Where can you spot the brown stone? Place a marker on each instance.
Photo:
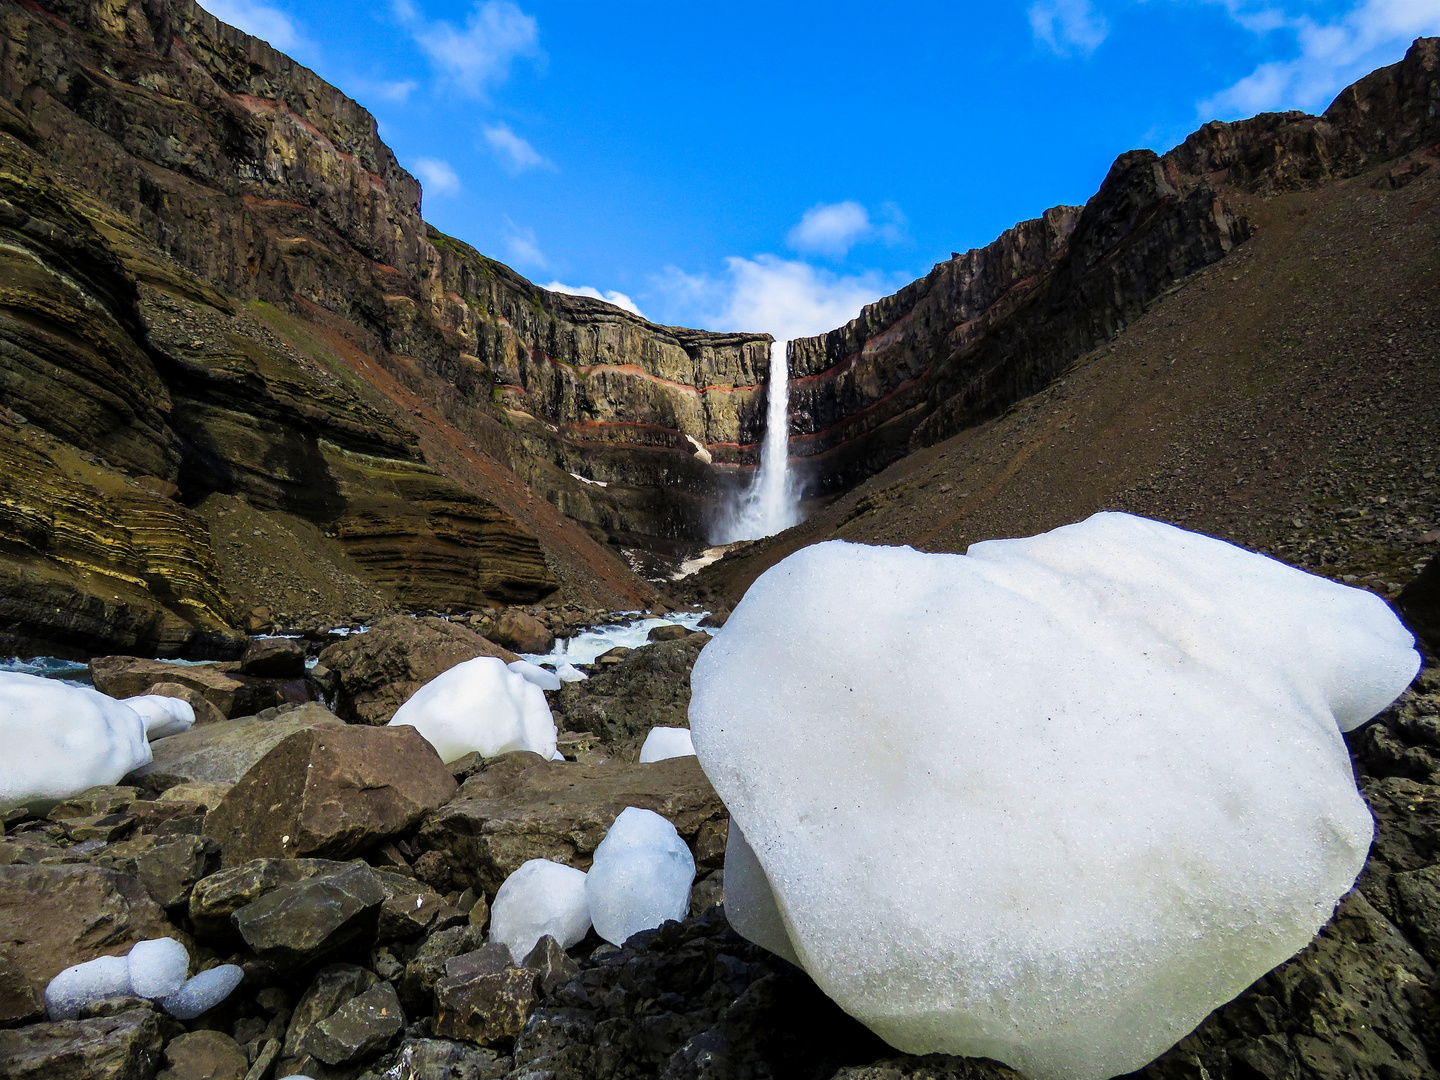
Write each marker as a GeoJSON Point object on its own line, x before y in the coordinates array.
{"type": "Point", "coordinates": [376, 672]}
{"type": "Point", "coordinates": [56, 916]}
{"type": "Point", "coordinates": [330, 792]}
{"type": "Point", "coordinates": [219, 684]}
{"type": "Point", "coordinates": [523, 807]}
{"type": "Point", "coordinates": [20, 1002]}
{"type": "Point", "coordinates": [274, 658]}
{"type": "Point", "coordinates": [125, 1046]}
{"type": "Point", "coordinates": [206, 712]}
{"type": "Point", "coordinates": [224, 752]}
{"type": "Point", "coordinates": [204, 1055]}
{"type": "Point", "coordinates": [484, 997]}
{"type": "Point", "coordinates": [668, 632]}
{"type": "Point", "coordinates": [522, 633]}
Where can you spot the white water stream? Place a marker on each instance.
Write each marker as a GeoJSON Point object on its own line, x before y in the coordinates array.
{"type": "Point", "coordinates": [771, 502]}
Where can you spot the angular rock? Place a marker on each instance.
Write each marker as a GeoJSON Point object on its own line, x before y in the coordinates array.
{"type": "Point", "coordinates": [95, 802]}
{"type": "Point", "coordinates": [206, 793]}
{"type": "Point", "coordinates": [930, 1067]}
{"type": "Point", "coordinates": [521, 632]}
{"type": "Point", "coordinates": [20, 1002]}
{"type": "Point", "coordinates": [408, 915]}
{"type": "Point", "coordinates": [427, 966]}
{"type": "Point", "coordinates": [274, 658]}
{"type": "Point", "coordinates": [1417, 901]}
{"type": "Point", "coordinates": [56, 916]}
{"type": "Point", "coordinates": [646, 688]}
{"type": "Point", "coordinates": [551, 964]}
{"type": "Point", "coordinates": [361, 1028]}
{"type": "Point", "coordinates": [224, 752]}
{"type": "Point", "coordinates": [206, 711]}
{"type": "Point", "coordinates": [523, 808]}
{"type": "Point", "coordinates": [484, 997]}
{"type": "Point", "coordinates": [298, 924]}
{"type": "Point", "coordinates": [217, 898]}
{"type": "Point", "coordinates": [669, 632]}
{"type": "Point", "coordinates": [125, 1046]}
{"type": "Point", "coordinates": [377, 671]}
{"type": "Point", "coordinates": [219, 684]}
{"type": "Point", "coordinates": [168, 869]}
{"type": "Point", "coordinates": [331, 988]}
{"type": "Point", "coordinates": [1419, 604]}
{"type": "Point", "coordinates": [439, 1058]}
{"type": "Point", "coordinates": [330, 792]}
{"type": "Point", "coordinates": [204, 1055]}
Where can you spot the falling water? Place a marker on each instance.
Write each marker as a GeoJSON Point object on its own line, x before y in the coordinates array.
{"type": "Point", "coordinates": [771, 502]}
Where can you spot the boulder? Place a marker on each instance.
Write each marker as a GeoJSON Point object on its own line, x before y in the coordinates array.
{"type": "Point", "coordinates": [298, 924]}
{"type": "Point", "coordinates": [56, 916]}
{"type": "Point", "coordinates": [427, 966]}
{"type": "Point", "coordinates": [521, 632]}
{"type": "Point", "coordinates": [167, 867]}
{"type": "Point", "coordinates": [224, 752]}
{"type": "Point", "coordinates": [377, 671]}
{"type": "Point", "coordinates": [1417, 900]}
{"type": "Point", "coordinates": [619, 704]}
{"type": "Point", "coordinates": [20, 1002]}
{"type": "Point", "coordinates": [206, 712]}
{"type": "Point", "coordinates": [205, 793]}
{"type": "Point", "coordinates": [668, 632]}
{"type": "Point", "coordinates": [274, 658]}
{"type": "Point", "coordinates": [523, 807]}
{"type": "Point", "coordinates": [330, 792]}
{"type": "Point", "coordinates": [220, 684]}
{"type": "Point", "coordinates": [442, 1058]}
{"type": "Point", "coordinates": [361, 1028]}
{"type": "Point", "coordinates": [1419, 604]}
{"type": "Point", "coordinates": [125, 1046]}
{"type": "Point", "coordinates": [484, 997]}
{"type": "Point", "coordinates": [218, 897]}
{"type": "Point", "coordinates": [204, 1055]}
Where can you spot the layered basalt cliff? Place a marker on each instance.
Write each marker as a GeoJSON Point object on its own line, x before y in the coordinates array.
{"type": "Point", "coordinates": [988, 328]}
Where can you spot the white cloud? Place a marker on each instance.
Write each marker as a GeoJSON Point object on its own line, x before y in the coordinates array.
{"type": "Point", "coordinates": [495, 34]}
{"type": "Point", "coordinates": [830, 228]}
{"type": "Point", "coordinates": [1332, 55]}
{"type": "Point", "coordinates": [515, 154]}
{"type": "Point", "coordinates": [522, 249]}
{"type": "Point", "coordinates": [437, 176]}
{"type": "Point", "coordinates": [772, 295]}
{"type": "Point", "coordinates": [397, 92]}
{"type": "Point", "coordinates": [619, 299]}
{"type": "Point", "coordinates": [258, 20]}
{"type": "Point", "coordinates": [1068, 26]}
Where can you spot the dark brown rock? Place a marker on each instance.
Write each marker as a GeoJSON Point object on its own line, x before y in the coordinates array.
{"type": "Point", "coordinates": [521, 633]}
{"type": "Point", "coordinates": [1419, 604]}
{"type": "Point", "coordinates": [668, 632]}
{"type": "Point", "coordinates": [330, 792]}
{"type": "Point", "coordinates": [930, 1067]}
{"type": "Point", "coordinates": [274, 658]}
{"type": "Point", "coordinates": [361, 1028]}
{"type": "Point", "coordinates": [647, 688]}
{"type": "Point", "coordinates": [1417, 904]}
{"type": "Point", "coordinates": [523, 807]}
{"type": "Point", "coordinates": [329, 991]}
{"type": "Point", "coordinates": [224, 752]}
{"type": "Point", "coordinates": [427, 966]}
{"type": "Point", "coordinates": [168, 868]}
{"type": "Point", "coordinates": [206, 712]}
{"type": "Point", "coordinates": [379, 670]}
{"type": "Point", "coordinates": [551, 964]}
{"type": "Point", "coordinates": [297, 924]}
{"type": "Point", "coordinates": [220, 684]}
{"type": "Point", "coordinates": [20, 1001]}
{"type": "Point", "coordinates": [204, 1055]}
{"type": "Point", "coordinates": [121, 1047]}
{"type": "Point", "coordinates": [483, 997]}
{"type": "Point", "coordinates": [56, 916]}
{"type": "Point", "coordinates": [218, 897]}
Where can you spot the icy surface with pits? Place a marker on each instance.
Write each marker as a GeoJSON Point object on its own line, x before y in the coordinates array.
{"type": "Point", "coordinates": [641, 876]}
{"type": "Point", "coordinates": [540, 898]}
{"type": "Point", "coordinates": [1123, 800]}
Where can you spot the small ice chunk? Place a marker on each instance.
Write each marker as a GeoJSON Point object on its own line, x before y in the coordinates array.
{"type": "Point", "coordinates": [667, 742]}
{"type": "Point", "coordinates": [540, 898]}
{"type": "Point", "coordinates": [570, 673]}
{"type": "Point", "coordinates": [483, 706]}
{"type": "Point", "coordinates": [546, 680]}
{"type": "Point", "coordinates": [203, 992]}
{"type": "Point", "coordinates": [158, 967]}
{"type": "Point", "coordinates": [78, 986]}
{"type": "Point", "coordinates": [162, 715]}
{"type": "Point", "coordinates": [557, 756]}
{"type": "Point", "coordinates": [60, 740]}
{"type": "Point", "coordinates": [641, 876]}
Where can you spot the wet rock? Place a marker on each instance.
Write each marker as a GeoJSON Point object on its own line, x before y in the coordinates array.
{"type": "Point", "coordinates": [297, 924]}
{"type": "Point", "coordinates": [274, 658]}
{"type": "Point", "coordinates": [121, 1047]}
{"type": "Point", "coordinates": [204, 1055]}
{"type": "Point", "coordinates": [484, 997]}
{"type": "Point", "coordinates": [219, 684]}
{"type": "Point", "coordinates": [668, 632]}
{"type": "Point", "coordinates": [361, 1028]}
{"type": "Point", "coordinates": [56, 916]}
{"type": "Point", "coordinates": [715, 619]}
{"type": "Point", "coordinates": [521, 632]}
{"type": "Point", "coordinates": [427, 966]}
{"type": "Point", "coordinates": [439, 1059]}
{"type": "Point", "coordinates": [376, 672]}
{"type": "Point", "coordinates": [224, 752]}
{"type": "Point", "coordinates": [331, 792]}
{"type": "Point", "coordinates": [523, 808]}
{"type": "Point", "coordinates": [647, 688]}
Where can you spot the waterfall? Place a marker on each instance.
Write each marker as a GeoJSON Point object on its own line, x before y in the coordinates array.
{"type": "Point", "coordinates": [771, 502]}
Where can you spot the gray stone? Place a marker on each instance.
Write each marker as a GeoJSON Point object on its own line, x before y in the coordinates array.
{"type": "Point", "coordinates": [643, 689]}
{"type": "Point", "coordinates": [551, 964]}
{"type": "Point", "coordinates": [204, 1055]}
{"type": "Point", "coordinates": [121, 1047]}
{"type": "Point", "coordinates": [224, 752]}
{"type": "Point", "coordinates": [361, 1028]}
{"type": "Point", "coordinates": [215, 900]}
{"type": "Point", "coordinates": [297, 924]}
{"type": "Point", "coordinates": [1417, 900]}
{"type": "Point", "coordinates": [427, 966]}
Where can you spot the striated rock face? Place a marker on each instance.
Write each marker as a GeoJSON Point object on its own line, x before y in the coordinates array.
{"type": "Point", "coordinates": [994, 325]}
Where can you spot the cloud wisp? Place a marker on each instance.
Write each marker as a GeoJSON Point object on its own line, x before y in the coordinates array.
{"type": "Point", "coordinates": [259, 20]}
{"type": "Point", "coordinates": [832, 229]}
{"type": "Point", "coordinates": [619, 299]}
{"type": "Point", "coordinates": [437, 176]}
{"type": "Point", "coordinates": [1067, 27]}
{"type": "Point", "coordinates": [515, 154]}
{"type": "Point", "coordinates": [522, 249]}
{"type": "Point", "coordinates": [472, 58]}
{"type": "Point", "coordinates": [1331, 55]}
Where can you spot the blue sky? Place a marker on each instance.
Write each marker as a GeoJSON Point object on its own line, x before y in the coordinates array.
{"type": "Point", "coordinates": [773, 166]}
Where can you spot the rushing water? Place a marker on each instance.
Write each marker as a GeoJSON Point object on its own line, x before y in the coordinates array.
{"type": "Point", "coordinates": [585, 646]}
{"type": "Point", "coordinates": [771, 502]}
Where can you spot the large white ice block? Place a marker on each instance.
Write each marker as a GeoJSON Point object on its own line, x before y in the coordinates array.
{"type": "Point", "coordinates": [158, 967]}
{"type": "Point", "coordinates": [202, 993]}
{"type": "Point", "coordinates": [641, 876]}
{"type": "Point", "coordinates": [480, 705]}
{"type": "Point", "coordinates": [540, 898]}
{"type": "Point", "coordinates": [666, 742]}
{"type": "Point", "coordinates": [162, 715]}
{"type": "Point", "coordinates": [59, 740]}
{"type": "Point", "coordinates": [83, 984]}
{"type": "Point", "coordinates": [1049, 802]}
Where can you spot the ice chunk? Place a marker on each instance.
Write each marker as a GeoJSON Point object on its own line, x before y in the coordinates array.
{"type": "Point", "coordinates": [570, 673]}
{"type": "Point", "coordinates": [750, 904]}
{"type": "Point", "coordinates": [546, 680]}
{"type": "Point", "coordinates": [1125, 800]}
{"type": "Point", "coordinates": [158, 967]}
{"type": "Point", "coordinates": [542, 897]}
{"type": "Point", "coordinates": [641, 876]}
{"type": "Point", "coordinates": [480, 705]}
{"type": "Point", "coordinates": [667, 742]}
{"type": "Point", "coordinates": [60, 740]}
{"type": "Point", "coordinates": [162, 715]}
{"type": "Point", "coordinates": [78, 986]}
{"type": "Point", "coordinates": [202, 993]}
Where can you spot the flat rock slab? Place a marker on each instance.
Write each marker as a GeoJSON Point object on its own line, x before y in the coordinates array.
{"type": "Point", "coordinates": [330, 792]}
{"type": "Point", "coordinates": [378, 671]}
{"type": "Point", "coordinates": [54, 916]}
{"type": "Point", "coordinates": [224, 752]}
{"type": "Point", "coordinates": [523, 807]}
{"type": "Point", "coordinates": [297, 924]}
{"type": "Point", "coordinates": [220, 684]}
{"type": "Point", "coordinates": [121, 1047]}
{"type": "Point", "coordinates": [204, 1055]}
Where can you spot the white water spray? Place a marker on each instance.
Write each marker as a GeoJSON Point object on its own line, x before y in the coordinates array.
{"type": "Point", "coordinates": [771, 502]}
